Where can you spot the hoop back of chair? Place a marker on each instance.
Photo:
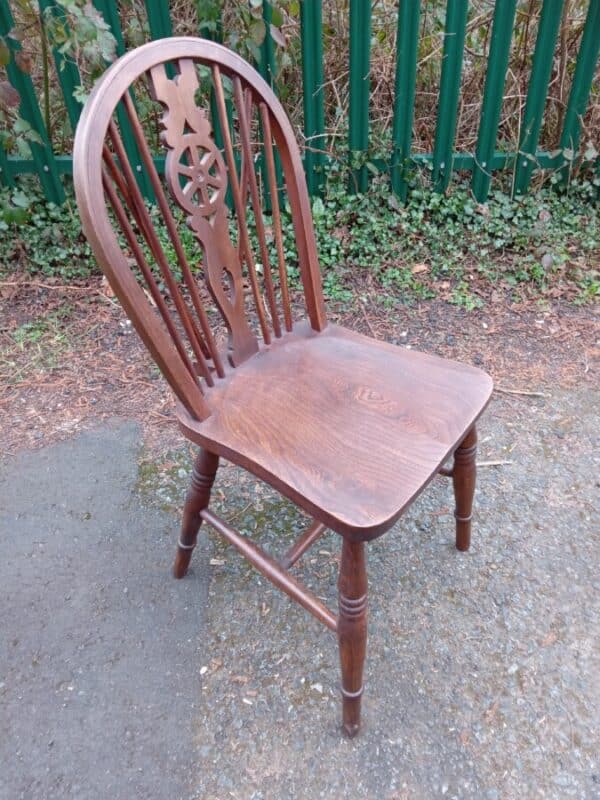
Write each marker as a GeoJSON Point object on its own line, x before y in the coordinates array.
{"type": "Point", "coordinates": [205, 260]}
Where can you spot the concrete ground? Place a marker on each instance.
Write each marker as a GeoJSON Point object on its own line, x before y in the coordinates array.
{"type": "Point", "coordinates": [483, 671]}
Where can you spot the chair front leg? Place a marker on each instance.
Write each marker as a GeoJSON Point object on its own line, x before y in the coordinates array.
{"type": "Point", "coordinates": [463, 478]}
{"type": "Point", "coordinates": [197, 498]}
{"type": "Point", "coordinates": [352, 630]}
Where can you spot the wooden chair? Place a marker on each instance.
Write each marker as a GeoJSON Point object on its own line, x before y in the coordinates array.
{"type": "Point", "coordinates": [349, 428]}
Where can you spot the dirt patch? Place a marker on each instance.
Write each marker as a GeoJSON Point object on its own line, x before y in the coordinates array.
{"type": "Point", "coordinates": [70, 358]}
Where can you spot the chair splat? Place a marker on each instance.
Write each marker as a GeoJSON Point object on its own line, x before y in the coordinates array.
{"type": "Point", "coordinates": [197, 180]}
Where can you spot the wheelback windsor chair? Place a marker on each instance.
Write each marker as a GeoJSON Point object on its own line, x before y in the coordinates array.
{"type": "Point", "coordinates": [349, 428]}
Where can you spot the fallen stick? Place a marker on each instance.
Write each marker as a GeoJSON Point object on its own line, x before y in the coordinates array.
{"type": "Point", "coordinates": [492, 463]}
{"type": "Point", "coordinates": [37, 285]}
{"type": "Point", "coordinates": [519, 391]}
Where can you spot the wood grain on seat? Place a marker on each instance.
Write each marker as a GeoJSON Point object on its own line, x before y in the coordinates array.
{"type": "Point", "coordinates": [348, 427]}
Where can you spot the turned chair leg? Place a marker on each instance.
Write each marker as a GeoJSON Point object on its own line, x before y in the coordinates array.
{"type": "Point", "coordinates": [352, 630]}
{"type": "Point", "coordinates": [463, 478]}
{"type": "Point", "coordinates": [203, 476]}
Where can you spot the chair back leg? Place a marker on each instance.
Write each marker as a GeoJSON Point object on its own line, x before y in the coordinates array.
{"type": "Point", "coordinates": [352, 630]}
{"type": "Point", "coordinates": [197, 499]}
{"type": "Point", "coordinates": [463, 478]}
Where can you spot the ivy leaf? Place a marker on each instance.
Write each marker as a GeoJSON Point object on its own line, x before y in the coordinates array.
{"type": "Point", "coordinates": [9, 97]}
{"type": "Point", "coordinates": [23, 149]}
{"type": "Point", "coordinates": [277, 36]}
{"type": "Point", "coordinates": [318, 208]}
{"type": "Point", "coordinates": [393, 202]}
{"type": "Point", "coordinates": [15, 35]}
{"type": "Point", "coordinates": [257, 31]}
{"type": "Point", "coordinates": [80, 94]}
{"type": "Point", "coordinates": [24, 61]}
{"type": "Point", "coordinates": [277, 17]}
{"type": "Point", "coordinates": [24, 131]}
{"type": "Point", "coordinates": [20, 199]}
{"type": "Point", "coordinates": [4, 53]}
{"type": "Point", "coordinates": [254, 50]}
{"type": "Point", "coordinates": [590, 152]}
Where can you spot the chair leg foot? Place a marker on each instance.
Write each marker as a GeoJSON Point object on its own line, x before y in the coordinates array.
{"type": "Point", "coordinates": [463, 478]}
{"type": "Point", "coordinates": [198, 496]}
{"type": "Point", "coordinates": [182, 561]}
{"type": "Point", "coordinates": [352, 631]}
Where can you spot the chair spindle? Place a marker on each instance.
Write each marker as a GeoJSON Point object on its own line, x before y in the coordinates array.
{"type": "Point", "coordinates": [239, 205]}
{"type": "Point", "coordinates": [256, 204]}
{"type": "Point", "coordinates": [171, 226]}
{"type": "Point", "coordinates": [277, 232]}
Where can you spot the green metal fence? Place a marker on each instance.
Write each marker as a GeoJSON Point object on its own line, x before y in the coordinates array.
{"type": "Point", "coordinates": [443, 161]}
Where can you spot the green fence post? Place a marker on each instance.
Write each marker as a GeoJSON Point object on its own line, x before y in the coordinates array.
{"type": "Point", "coordinates": [319, 96]}
{"type": "Point", "coordinates": [502, 28]}
{"type": "Point", "coordinates": [110, 12]}
{"type": "Point", "coordinates": [29, 110]}
{"type": "Point", "coordinates": [159, 19]}
{"type": "Point", "coordinates": [445, 129]}
{"type": "Point", "coordinates": [311, 28]}
{"type": "Point", "coordinates": [66, 69]}
{"type": "Point", "coordinates": [159, 22]}
{"type": "Point", "coordinates": [308, 88]}
{"type": "Point", "coordinates": [407, 46]}
{"type": "Point", "coordinates": [537, 92]}
{"type": "Point", "coordinates": [6, 177]}
{"type": "Point", "coordinates": [268, 69]}
{"type": "Point", "coordinates": [360, 47]}
{"type": "Point", "coordinates": [215, 36]}
{"type": "Point", "coordinates": [582, 83]}
{"type": "Point", "coordinates": [267, 49]}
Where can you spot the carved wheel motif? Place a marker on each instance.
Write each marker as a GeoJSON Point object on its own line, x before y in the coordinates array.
{"type": "Point", "coordinates": [198, 175]}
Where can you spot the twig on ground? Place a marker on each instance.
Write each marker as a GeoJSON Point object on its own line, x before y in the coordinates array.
{"type": "Point", "coordinates": [162, 417]}
{"type": "Point", "coordinates": [368, 321]}
{"type": "Point", "coordinates": [239, 513]}
{"type": "Point", "coordinates": [498, 463]}
{"type": "Point", "coordinates": [37, 285]}
{"type": "Point", "coordinates": [506, 390]}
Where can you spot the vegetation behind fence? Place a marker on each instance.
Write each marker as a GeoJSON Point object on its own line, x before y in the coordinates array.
{"type": "Point", "coordinates": [374, 86]}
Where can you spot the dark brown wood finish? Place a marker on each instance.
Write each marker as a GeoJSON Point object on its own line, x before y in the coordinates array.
{"type": "Point", "coordinates": [350, 429]}
{"type": "Point", "coordinates": [352, 630]}
{"type": "Point", "coordinates": [277, 232]}
{"type": "Point", "coordinates": [272, 570]}
{"type": "Point", "coordinates": [198, 496]}
{"type": "Point", "coordinates": [463, 478]}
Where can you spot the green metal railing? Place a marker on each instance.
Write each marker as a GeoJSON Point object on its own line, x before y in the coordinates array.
{"type": "Point", "coordinates": [442, 162]}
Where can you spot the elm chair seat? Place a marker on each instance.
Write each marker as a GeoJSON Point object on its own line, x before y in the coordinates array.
{"type": "Point", "coordinates": [350, 428]}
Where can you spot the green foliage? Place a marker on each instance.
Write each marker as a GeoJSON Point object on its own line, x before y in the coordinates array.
{"type": "Point", "coordinates": [436, 245]}
{"type": "Point", "coordinates": [413, 251]}
{"type": "Point", "coordinates": [14, 209]}
{"type": "Point", "coordinates": [80, 34]}
{"type": "Point", "coordinates": [245, 29]}
{"type": "Point", "coordinates": [42, 238]}
{"type": "Point", "coordinates": [15, 132]}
